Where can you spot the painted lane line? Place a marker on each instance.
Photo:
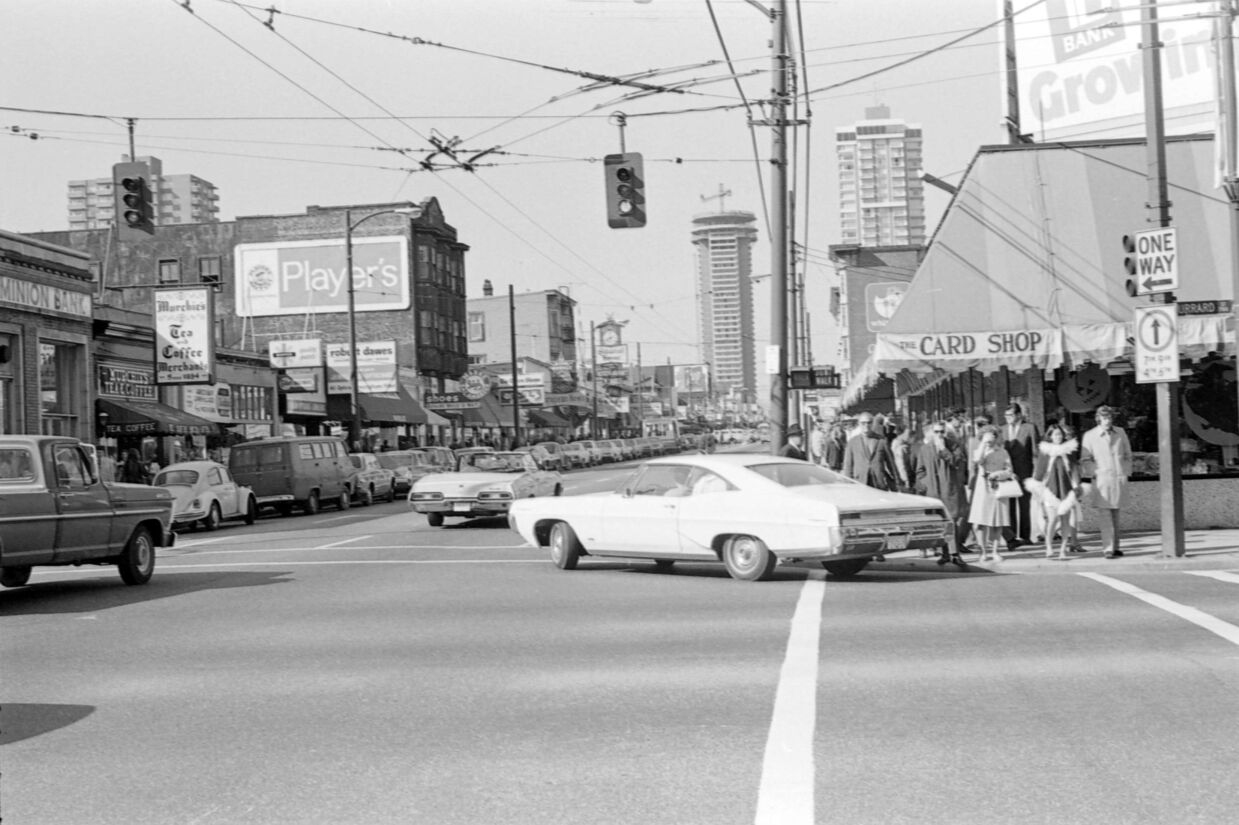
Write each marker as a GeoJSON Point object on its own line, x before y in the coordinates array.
{"type": "Point", "coordinates": [170, 566]}
{"type": "Point", "coordinates": [340, 542]}
{"type": "Point", "coordinates": [1226, 630]}
{"type": "Point", "coordinates": [785, 796]}
{"type": "Point", "coordinates": [199, 543]}
{"type": "Point", "coordinates": [1220, 575]}
{"type": "Point", "coordinates": [303, 549]}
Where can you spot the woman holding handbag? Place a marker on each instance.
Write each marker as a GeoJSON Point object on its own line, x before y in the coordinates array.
{"type": "Point", "coordinates": [991, 466]}
{"type": "Point", "coordinates": [1056, 482]}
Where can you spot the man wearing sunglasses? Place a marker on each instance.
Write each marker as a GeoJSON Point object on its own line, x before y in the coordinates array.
{"type": "Point", "coordinates": [942, 473]}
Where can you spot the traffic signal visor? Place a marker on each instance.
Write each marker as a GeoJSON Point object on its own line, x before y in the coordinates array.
{"type": "Point", "coordinates": [625, 181]}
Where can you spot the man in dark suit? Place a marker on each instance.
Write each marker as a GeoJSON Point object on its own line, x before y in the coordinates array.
{"type": "Point", "coordinates": [1019, 438]}
{"type": "Point", "coordinates": [868, 458]}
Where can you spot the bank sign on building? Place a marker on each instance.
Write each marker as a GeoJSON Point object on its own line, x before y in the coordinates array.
{"type": "Point", "coordinates": [301, 277]}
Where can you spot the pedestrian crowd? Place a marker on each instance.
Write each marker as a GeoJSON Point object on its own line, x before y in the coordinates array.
{"type": "Point", "coordinates": [1001, 485]}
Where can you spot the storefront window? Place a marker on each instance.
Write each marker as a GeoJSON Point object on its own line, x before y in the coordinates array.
{"type": "Point", "coordinates": [8, 359]}
{"type": "Point", "coordinates": [60, 383]}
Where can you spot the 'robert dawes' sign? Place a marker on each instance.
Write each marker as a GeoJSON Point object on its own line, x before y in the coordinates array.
{"type": "Point", "coordinates": [301, 277]}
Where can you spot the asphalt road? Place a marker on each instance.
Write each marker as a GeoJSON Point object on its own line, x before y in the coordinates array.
{"type": "Point", "coordinates": [361, 667]}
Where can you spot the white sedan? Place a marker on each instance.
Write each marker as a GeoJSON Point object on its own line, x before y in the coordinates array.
{"type": "Point", "coordinates": [748, 511]}
{"type": "Point", "coordinates": [486, 485]}
{"type": "Point", "coordinates": [204, 492]}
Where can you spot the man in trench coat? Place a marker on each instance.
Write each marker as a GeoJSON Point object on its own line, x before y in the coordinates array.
{"type": "Point", "coordinates": [942, 473]}
{"type": "Point", "coordinates": [1105, 455]}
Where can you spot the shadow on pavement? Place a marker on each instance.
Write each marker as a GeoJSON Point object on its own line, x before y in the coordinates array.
{"type": "Point", "coordinates": [20, 721]}
{"type": "Point", "coordinates": [91, 593]}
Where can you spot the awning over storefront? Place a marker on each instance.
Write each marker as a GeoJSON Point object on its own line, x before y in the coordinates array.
{"type": "Point", "coordinates": [399, 407]}
{"type": "Point", "coordinates": [1026, 268]}
{"type": "Point", "coordinates": [137, 417]}
{"type": "Point", "coordinates": [547, 418]}
{"type": "Point", "coordinates": [488, 413]}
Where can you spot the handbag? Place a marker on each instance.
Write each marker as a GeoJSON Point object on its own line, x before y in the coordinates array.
{"type": "Point", "coordinates": [1008, 488]}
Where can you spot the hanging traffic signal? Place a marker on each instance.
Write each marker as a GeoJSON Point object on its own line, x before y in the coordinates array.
{"type": "Point", "coordinates": [625, 190]}
{"type": "Point", "coordinates": [1129, 264]}
{"type": "Point", "coordinates": [131, 189]}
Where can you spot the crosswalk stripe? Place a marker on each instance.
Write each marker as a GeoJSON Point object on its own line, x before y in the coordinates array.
{"type": "Point", "coordinates": [1197, 617]}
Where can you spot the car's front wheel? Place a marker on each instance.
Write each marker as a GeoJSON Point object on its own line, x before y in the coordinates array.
{"type": "Point", "coordinates": [213, 517]}
{"type": "Point", "coordinates": [14, 576]}
{"type": "Point", "coordinates": [565, 546]}
{"type": "Point", "coordinates": [251, 511]}
{"type": "Point", "coordinates": [391, 494]}
{"type": "Point", "coordinates": [367, 497]}
{"type": "Point", "coordinates": [748, 559]}
{"type": "Point", "coordinates": [346, 499]}
{"type": "Point", "coordinates": [137, 562]}
{"type": "Point", "coordinates": [847, 567]}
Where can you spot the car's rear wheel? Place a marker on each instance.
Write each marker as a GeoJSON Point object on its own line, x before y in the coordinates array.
{"type": "Point", "coordinates": [213, 517]}
{"type": "Point", "coordinates": [14, 576]}
{"type": "Point", "coordinates": [748, 559]}
{"type": "Point", "coordinates": [251, 511]}
{"type": "Point", "coordinates": [565, 546]}
{"type": "Point", "coordinates": [847, 567]}
{"type": "Point", "coordinates": [137, 562]}
{"type": "Point", "coordinates": [559, 490]}
{"type": "Point", "coordinates": [311, 504]}
{"type": "Point", "coordinates": [434, 519]}
{"type": "Point", "coordinates": [367, 497]}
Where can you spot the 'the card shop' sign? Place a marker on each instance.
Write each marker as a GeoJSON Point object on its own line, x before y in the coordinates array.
{"type": "Point", "coordinates": [300, 277]}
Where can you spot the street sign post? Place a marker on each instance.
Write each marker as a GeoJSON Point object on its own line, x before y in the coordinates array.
{"type": "Point", "coordinates": [1156, 260]}
{"type": "Point", "coordinates": [1157, 344]}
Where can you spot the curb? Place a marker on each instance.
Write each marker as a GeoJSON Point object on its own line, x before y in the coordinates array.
{"type": "Point", "coordinates": [1144, 563]}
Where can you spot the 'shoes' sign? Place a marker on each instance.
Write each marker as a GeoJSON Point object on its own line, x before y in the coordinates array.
{"type": "Point", "coordinates": [299, 277]}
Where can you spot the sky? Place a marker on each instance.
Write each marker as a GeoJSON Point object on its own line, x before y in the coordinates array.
{"type": "Point", "coordinates": [338, 103]}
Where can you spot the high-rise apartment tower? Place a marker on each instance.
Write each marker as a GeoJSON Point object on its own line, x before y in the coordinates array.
{"type": "Point", "coordinates": [724, 242]}
{"type": "Point", "coordinates": [881, 195]}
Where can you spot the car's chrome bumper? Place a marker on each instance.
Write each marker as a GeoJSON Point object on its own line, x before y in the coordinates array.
{"type": "Point", "coordinates": [457, 507]}
{"type": "Point", "coordinates": [860, 541]}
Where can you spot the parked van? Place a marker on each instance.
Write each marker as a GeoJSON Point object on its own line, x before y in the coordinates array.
{"type": "Point", "coordinates": [288, 471]}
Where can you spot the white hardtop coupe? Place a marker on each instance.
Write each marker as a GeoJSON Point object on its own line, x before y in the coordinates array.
{"type": "Point", "coordinates": [747, 510]}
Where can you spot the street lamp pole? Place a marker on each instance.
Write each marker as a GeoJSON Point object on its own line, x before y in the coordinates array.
{"type": "Point", "coordinates": [354, 429]}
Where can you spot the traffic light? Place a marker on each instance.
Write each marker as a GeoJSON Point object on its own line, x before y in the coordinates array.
{"type": "Point", "coordinates": [1129, 264]}
{"type": "Point", "coordinates": [131, 189]}
{"type": "Point", "coordinates": [625, 190]}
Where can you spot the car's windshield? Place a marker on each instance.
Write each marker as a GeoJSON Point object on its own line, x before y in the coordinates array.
{"type": "Point", "coordinates": [797, 474]}
{"type": "Point", "coordinates": [494, 463]}
{"type": "Point", "coordinates": [394, 461]}
{"type": "Point", "coordinates": [172, 478]}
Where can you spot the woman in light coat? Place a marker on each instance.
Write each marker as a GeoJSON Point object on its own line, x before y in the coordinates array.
{"type": "Point", "coordinates": [1055, 484]}
{"type": "Point", "coordinates": [988, 514]}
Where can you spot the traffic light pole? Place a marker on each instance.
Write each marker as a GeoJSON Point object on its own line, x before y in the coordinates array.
{"type": "Point", "coordinates": [1169, 457]}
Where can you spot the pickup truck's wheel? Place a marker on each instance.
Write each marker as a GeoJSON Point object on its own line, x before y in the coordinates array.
{"type": "Point", "coordinates": [346, 499]}
{"type": "Point", "coordinates": [213, 517]}
{"type": "Point", "coordinates": [14, 576]}
{"type": "Point", "coordinates": [748, 559]}
{"type": "Point", "coordinates": [311, 504]}
{"type": "Point", "coordinates": [367, 497]}
{"type": "Point", "coordinates": [137, 562]}
{"type": "Point", "coordinates": [251, 511]}
{"type": "Point", "coordinates": [565, 546]}
{"type": "Point", "coordinates": [848, 567]}
{"type": "Point", "coordinates": [434, 519]}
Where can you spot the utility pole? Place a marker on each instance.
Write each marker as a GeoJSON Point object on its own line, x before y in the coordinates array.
{"type": "Point", "coordinates": [1159, 208]}
{"type": "Point", "coordinates": [778, 219]}
{"type": "Point", "coordinates": [516, 386]}
{"type": "Point", "coordinates": [1226, 133]}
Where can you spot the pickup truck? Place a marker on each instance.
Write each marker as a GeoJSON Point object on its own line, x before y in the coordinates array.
{"type": "Point", "coordinates": [54, 510]}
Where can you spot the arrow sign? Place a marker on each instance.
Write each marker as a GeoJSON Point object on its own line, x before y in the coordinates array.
{"type": "Point", "coordinates": [1157, 344]}
{"type": "Point", "coordinates": [1162, 285]}
{"type": "Point", "coordinates": [1157, 260]}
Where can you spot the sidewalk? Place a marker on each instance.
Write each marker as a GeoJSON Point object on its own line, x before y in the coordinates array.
{"type": "Point", "coordinates": [1142, 551]}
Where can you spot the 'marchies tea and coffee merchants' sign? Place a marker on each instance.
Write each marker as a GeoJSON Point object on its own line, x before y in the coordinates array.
{"type": "Point", "coordinates": [184, 336]}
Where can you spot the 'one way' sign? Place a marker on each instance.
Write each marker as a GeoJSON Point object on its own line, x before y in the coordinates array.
{"type": "Point", "coordinates": [1157, 261]}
